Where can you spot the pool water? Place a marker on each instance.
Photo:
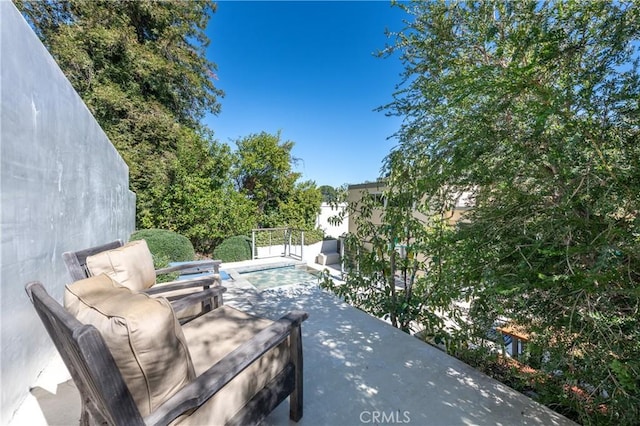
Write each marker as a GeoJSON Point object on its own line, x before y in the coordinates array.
{"type": "Point", "coordinates": [276, 277]}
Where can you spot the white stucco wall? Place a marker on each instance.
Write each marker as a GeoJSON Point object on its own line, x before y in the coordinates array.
{"type": "Point", "coordinates": [327, 211]}
{"type": "Point", "coordinates": [63, 187]}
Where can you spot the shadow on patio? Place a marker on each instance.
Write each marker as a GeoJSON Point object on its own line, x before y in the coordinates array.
{"type": "Point", "coordinates": [359, 369]}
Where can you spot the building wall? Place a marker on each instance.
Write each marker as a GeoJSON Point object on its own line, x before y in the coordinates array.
{"type": "Point", "coordinates": [463, 204]}
{"type": "Point", "coordinates": [355, 194]}
{"type": "Point", "coordinates": [327, 211]}
{"type": "Point", "coordinates": [63, 187]}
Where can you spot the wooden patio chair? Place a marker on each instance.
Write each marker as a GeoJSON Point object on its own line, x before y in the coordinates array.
{"type": "Point", "coordinates": [219, 393]}
{"type": "Point", "coordinates": [78, 268]}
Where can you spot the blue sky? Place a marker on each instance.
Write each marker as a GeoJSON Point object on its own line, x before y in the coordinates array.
{"type": "Point", "coordinates": [307, 69]}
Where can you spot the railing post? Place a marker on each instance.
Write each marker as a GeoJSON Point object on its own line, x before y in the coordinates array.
{"type": "Point", "coordinates": [253, 244]}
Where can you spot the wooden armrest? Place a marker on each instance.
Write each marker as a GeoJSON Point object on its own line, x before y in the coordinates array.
{"type": "Point", "coordinates": [195, 267]}
{"type": "Point", "coordinates": [203, 282]}
{"type": "Point", "coordinates": [197, 297]}
{"type": "Point", "coordinates": [200, 266]}
{"type": "Point", "coordinates": [215, 378]}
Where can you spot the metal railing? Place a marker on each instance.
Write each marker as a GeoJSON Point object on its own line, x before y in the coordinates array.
{"type": "Point", "coordinates": [277, 242]}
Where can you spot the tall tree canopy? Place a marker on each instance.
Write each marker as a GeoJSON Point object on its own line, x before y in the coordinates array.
{"type": "Point", "coordinates": [140, 51]}
{"type": "Point", "coordinates": [199, 199]}
{"type": "Point", "coordinates": [263, 171]}
{"type": "Point", "coordinates": [140, 67]}
{"type": "Point", "coordinates": [533, 108]}
{"type": "Point", "coordinates": [329, 193]}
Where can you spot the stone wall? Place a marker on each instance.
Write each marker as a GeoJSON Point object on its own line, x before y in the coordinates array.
{"type": "Point", "coordinates": [63, 187]}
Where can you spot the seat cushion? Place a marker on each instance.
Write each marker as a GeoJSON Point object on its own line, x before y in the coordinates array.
{"type": "Point", "coordinates": [213, 336]}
{"type": "Point", "coordinates": [142, 333]}
{"type": "Point", "coordinates": [130, 265]}
{"type": "Point", "coordinates": [188, 312]}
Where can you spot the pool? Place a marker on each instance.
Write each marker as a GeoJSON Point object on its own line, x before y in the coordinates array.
{"type": "Point", "coordinates": [281, 276]}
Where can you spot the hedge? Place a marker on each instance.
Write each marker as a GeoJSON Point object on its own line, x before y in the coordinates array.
{"type": "Point", "coordinates": [234, 249]}
{"type": "Point", "coordinates": [165, 244]}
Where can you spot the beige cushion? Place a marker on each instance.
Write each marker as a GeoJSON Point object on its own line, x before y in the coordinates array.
{"type": "Point", "coordinates": [130, 265]}
{"type": "Point", "coordinates": [214, 335]}
{"type": "Point", "coordinates": [188, 312]}
{"type": "Point", "coordinates": [142, 334]}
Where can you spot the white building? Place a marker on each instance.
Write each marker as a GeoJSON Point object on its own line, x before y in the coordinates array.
{"type": "Point", "coordinates": [326, 212]}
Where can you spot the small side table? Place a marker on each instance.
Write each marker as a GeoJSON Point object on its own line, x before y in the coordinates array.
{"type": "Point", "coordinates": [519, 336]}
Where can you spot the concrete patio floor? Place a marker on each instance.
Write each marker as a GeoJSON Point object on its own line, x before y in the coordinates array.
{"type": "Point", "coordinates": [360, 370]}
{"type": "Point", "coordinates": [357, 367]}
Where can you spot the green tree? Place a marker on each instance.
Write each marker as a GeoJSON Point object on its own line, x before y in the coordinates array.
{"type": "Point", "coordinates": [140, 67]}
{"type": "Point", "coordinates": [329, 193]}
{"type": "Point", "coordinates": [263, 172]}
{"type": "Point", "coordinates": [199, 200]}
{"type": "Point", "coordinates": [301, 207]}
{"type": "Point", "coordinates": [532, 109]}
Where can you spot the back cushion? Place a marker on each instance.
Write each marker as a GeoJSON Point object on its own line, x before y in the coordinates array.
{"type": "Point", "coordinates": [130, 265]}
{"type": "Point", "coordinates": [142, 334]}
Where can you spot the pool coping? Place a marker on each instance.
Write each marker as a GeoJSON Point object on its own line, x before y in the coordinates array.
{"type": "Point", "coordinates": [237, 280]}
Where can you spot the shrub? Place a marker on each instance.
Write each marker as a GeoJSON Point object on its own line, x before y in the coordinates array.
{"type": "Point", "coordinates": [159, 262]}
{"type": "Point", "coordinates": [313, 236]}
{"type": "Point", "coordinates": [234, 249]}
{"type": "Point", "coordinates": [280, 236]}
{"type": "Point", "coordinates": [166, 245]}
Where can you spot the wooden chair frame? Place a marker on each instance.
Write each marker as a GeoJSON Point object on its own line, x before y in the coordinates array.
{"type": "Point", "coordinates": [76, 263]}
{"type": "Point", "coordinates": [106, 398]}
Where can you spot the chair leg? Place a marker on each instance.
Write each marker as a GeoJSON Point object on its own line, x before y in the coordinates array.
{"type": "Point", "coordinates": [85, 417]}
{"type": "Point", "coordinates": [295, 399]}
{"type": "Point", "coordinates": [90, 417]}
